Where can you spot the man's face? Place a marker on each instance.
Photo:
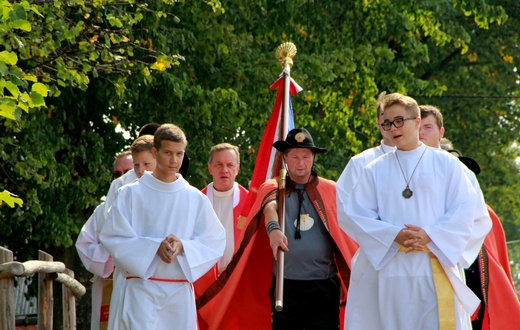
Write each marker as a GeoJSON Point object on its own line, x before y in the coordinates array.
{"type": "Point", "coordinates": [405, 137]}
{"type": "Point", "coordinates": [143, 161]}
{"type": "Point", "coordinates": [431, 134]}
{"type": "Point", "coordinates": [299, 164]}
{"type": "Point", "coordinates": [224, 168]}
{"type": "Point", "coordinates": [122, 165]}
{"type": "Point", "coordinates": [168, 160]}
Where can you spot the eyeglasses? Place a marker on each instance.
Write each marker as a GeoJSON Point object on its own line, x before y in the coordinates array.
{"type": "Point", "coordinates": [398, 122]}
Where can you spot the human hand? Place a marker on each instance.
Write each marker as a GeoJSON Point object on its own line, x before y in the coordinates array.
{"type": "Point", "coordinates": [411, 238]}
{"type": "Point", "coordinates": [169, 248]}
{"type": "Point", "coordinates": [277, 240]}
{"type": "Point", "coordinates": [423, 237]}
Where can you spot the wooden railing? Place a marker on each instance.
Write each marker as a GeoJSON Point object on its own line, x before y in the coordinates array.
{"type": "Point", "coordinates": [48, 271]}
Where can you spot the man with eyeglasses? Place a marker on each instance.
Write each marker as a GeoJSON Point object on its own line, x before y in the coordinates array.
{"type": "Point", "coordinates": [411, 212]}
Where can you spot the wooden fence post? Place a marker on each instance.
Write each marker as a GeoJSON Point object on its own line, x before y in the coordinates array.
{"type": "Point", "coordinates": [7, 308]}
{"type": "Point", "coordinates": [69, 305]}
{"type": "Point", "coordinates": [45, 298]}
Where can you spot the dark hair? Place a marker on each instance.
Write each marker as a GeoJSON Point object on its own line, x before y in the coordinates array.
{"type": "Point", "coordinates": [430, 110]}
{"type": "Point", "coordinates": [169, 132]}
{"type": "Point", "coordinates": [148, 129]}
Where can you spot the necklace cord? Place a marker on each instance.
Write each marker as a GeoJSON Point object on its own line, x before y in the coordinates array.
{"type": "Point", "coordinates": [301, 197]}
{"type": "Point", "coordinates": [407, 181]}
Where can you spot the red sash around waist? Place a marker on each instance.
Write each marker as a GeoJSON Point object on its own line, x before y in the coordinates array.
{"type": "Point", "coordinates": [157, 279]}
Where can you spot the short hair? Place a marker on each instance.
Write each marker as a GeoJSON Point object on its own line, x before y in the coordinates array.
{"type": "Point", "coordinates": [169, 132]}
{"type": "Point", "coordinates": [430, 110]}
{"type": "Point", "coordinates": [221, 147]}
{"type": "Point", "coordinates": [148, 129]}
{"type": "Point", "coordinates": [410, 105]}
{"type": "Point", "coordinates": [122, 154]}
{"type": "Point", "coordinates": [446, 144]}
{"type": "Point", "coordinates": [142, 143]}
{"type": "Point", "coordinates": [379, 103]}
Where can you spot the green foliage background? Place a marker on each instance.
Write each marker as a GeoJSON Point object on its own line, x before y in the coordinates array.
{"type": "Point", "coordinates": [207, 66]}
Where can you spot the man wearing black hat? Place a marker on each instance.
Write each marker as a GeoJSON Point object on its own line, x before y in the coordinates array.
{"type": "Point", "coordinates": [316, 250]}
{"type": "Point", "coordinates": [317, 253]}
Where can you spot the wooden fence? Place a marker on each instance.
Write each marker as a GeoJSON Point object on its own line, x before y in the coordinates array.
{"type": "Point", "coordinates": [48, 271]}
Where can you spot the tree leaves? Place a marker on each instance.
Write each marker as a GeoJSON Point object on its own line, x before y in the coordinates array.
{"type": "Point", "coordinates": [9, 199]}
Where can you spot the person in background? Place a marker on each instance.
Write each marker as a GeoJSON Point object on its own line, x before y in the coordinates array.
{"type": "Point", "coordinates": [356, 164]}
{"type": "Point", "coordinates": [142, 155]}
{"type": "Point", "coordinates": [94, 257]}
{"type": "Point", "coordinates": [122, 164]}
{"type": "Point", "coordinates": [432, 128]}
{"type": "Point", "coordinates": [431, 133]}
{"type": "Point", "coordinates": [92, 254]}
{"type": "Point", "coordinates": [225, 194]}
{"type": "Point", "coordinates": [227, 198]}
{"type": "Point", "coordinates": [489, 277]}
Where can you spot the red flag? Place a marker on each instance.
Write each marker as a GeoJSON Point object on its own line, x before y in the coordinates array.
{"type": "Point", "coordinates": [265, 165]}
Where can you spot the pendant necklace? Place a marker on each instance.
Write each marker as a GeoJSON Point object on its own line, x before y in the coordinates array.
{"type": "Point", "coordinates": [407, 192]}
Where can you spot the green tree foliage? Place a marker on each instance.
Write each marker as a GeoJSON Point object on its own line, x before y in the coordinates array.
{"type": "Point", "coordinates": [62, 63]}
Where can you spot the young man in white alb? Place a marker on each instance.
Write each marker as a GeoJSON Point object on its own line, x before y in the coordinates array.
{"type": "Point", "coordinates": [163, 235]}
{"type": "Point", "coordinates": [412, 213]}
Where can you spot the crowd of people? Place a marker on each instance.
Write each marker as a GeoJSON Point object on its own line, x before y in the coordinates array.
{"type": "Point", "coordinates": [403, 240]}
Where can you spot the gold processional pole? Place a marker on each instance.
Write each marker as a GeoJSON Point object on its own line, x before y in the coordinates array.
{"type": "Point", "coordinates": [284, 54]}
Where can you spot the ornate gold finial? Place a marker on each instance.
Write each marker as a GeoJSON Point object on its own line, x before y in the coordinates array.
{"type": "Point", "coordinates": [285, 53]}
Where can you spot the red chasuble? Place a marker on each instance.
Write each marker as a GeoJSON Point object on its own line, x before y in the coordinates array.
{"type": "Point", "coordinates": [502, 308]}
{"type": "Point", "coordinates": [239, 299]}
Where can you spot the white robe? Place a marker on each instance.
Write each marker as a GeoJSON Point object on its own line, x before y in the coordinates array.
{"type": "Point", "coordinates": [125, 179]}
{"type": "Point", "coordinates": [96, 260]}
{"type": "Point", "coordinates": [93, 255]}
{"type": "Point", "coordinates": [481, 226]}
{"type": "Point", "coordinates": [351, 174]}
{"type": "Point", "coordinates": [225, 214]}
{"type": "Point", "coordinates": [143, 214]}
{"type": "Point", "coordinates": [395, 290]}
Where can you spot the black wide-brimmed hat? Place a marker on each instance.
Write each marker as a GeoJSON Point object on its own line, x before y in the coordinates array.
{"type": "Point", "coordinates": [469, 162]}
{"type": "Point", "coordinates": [298, 138]}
